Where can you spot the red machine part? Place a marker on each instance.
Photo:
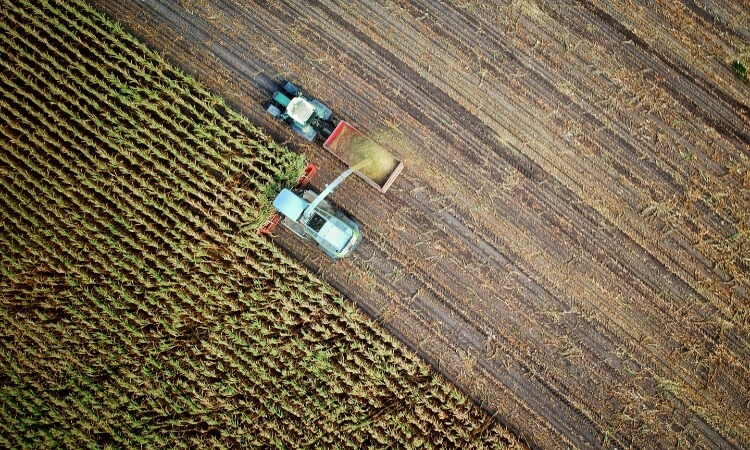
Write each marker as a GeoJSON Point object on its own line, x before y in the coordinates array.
{"type": "Point", "coordinates": [275, 219]}
{"type": "Point", "coordinates": [271, 223]}
{"type": "Point", "coordinates": [310, 171]}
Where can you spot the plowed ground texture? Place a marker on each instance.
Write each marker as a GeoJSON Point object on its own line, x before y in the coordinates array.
{"type": "Point", "coordinates": [569, 239]}
{"type": "Point", "coordinates": [139, 307]}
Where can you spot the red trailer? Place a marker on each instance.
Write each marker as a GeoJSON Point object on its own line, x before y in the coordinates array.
{"type": "Point", "coordinates": [354, 148]}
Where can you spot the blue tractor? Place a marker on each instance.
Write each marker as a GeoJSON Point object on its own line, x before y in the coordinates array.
{"type": "Point", "coordinates": [307, 116]}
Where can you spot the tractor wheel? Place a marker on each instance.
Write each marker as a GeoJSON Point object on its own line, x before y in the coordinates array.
{"type": "Point", "coordinates": [273, 110]}
{"type": "Point", "coordinates": [290, 88]}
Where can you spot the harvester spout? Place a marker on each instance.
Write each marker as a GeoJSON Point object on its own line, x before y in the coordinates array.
{"type": "Point", "coordinates": [310, 209]}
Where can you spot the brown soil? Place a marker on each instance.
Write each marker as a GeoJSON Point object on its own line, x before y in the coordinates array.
{"type": "Point", "coordinates": [569, 239]}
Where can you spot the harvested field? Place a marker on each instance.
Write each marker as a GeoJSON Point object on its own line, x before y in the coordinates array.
{"type": "Point", "coordinates": [139, 307]}
{"type": "Point", "coordinates": [569, 239]}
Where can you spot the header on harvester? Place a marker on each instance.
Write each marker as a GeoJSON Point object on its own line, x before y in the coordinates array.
{"type": "Point", "coordinates": [303, 211]}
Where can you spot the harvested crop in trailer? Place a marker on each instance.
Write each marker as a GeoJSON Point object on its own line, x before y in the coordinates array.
{"type": "Point", "coordinates": [380, 164]}
{"type": "Point", "coordinates": [376, 165]}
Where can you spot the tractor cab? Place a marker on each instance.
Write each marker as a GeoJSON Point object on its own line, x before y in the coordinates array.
{"type": "Point", "coordinates": [300, 110]}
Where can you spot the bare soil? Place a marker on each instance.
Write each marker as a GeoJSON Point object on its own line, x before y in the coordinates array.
{"type": "Point", "coordinates": [569, 238]}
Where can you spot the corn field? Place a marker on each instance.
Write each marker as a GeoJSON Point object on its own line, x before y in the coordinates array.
{"type": "Point", "coordinates": [138, 305]}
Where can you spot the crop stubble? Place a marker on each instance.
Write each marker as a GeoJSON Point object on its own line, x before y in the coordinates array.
{"type": "Point", "coordinates": [569, 238]}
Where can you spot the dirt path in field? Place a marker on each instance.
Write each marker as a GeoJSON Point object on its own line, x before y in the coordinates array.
{"type": "Point", "coordinates": [569, 239]}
